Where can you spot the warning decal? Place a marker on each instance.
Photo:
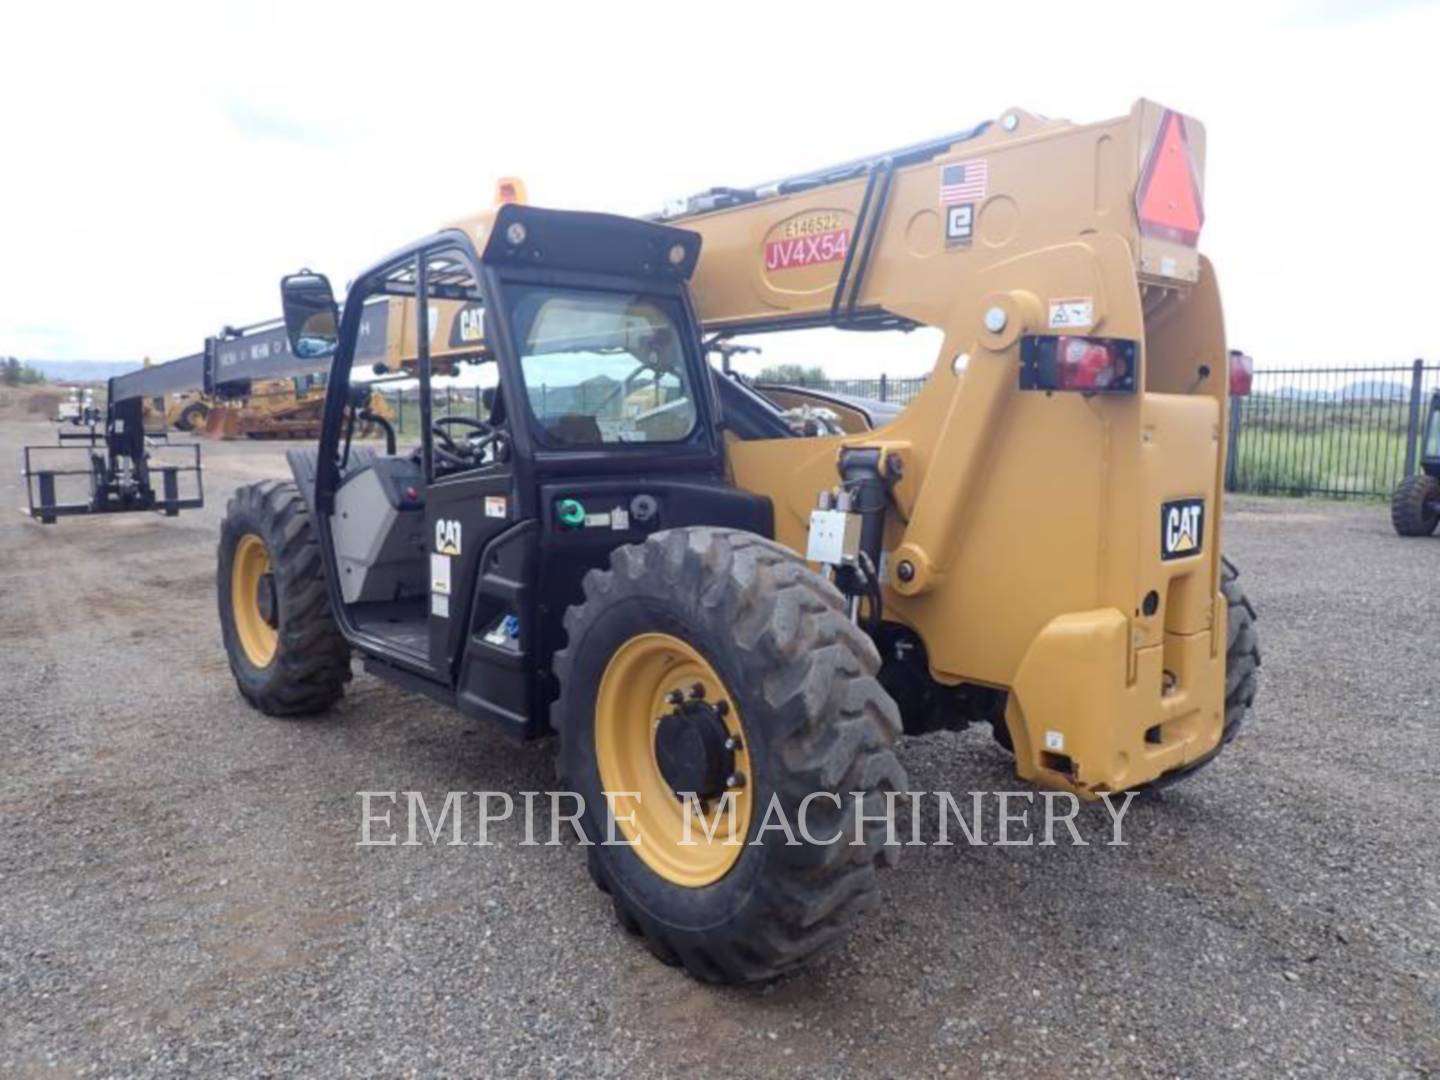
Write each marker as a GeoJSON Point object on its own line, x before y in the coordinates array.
{"type": "Point", "coordinates": [1073, 313]}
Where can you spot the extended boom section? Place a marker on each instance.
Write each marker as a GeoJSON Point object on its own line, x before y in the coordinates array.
{"type": "Point", "coordinates": [118, 468]}
{"type": "Point", "coordinates": [115, 456]}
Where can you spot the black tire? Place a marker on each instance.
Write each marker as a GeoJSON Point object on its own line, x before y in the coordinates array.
{"type": "Point", "coordinates": [192, 417]}
{"type": "Point", "coordinates": [1415, 506]}
{"type": "Point", "coordinates": [311, 664]}
{"type": "Point", "coordinates": [816, 719]}
{"type": "Point", "coordinates": [1242, 652]}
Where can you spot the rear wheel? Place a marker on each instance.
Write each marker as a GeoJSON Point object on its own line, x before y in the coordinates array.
{"type": "Point", "coordinates": [715, 662]}
{"type": "Point", "coordinates": [288, 656]}
{"type": "Point", "coordinates": [1415, 506]}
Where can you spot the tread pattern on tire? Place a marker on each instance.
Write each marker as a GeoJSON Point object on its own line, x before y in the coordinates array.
{"type": "Point", "coordinates": [312, 661]}
{"type": "Point", "coordinates": [1408, 505]}
{"type": "Point", "coordinates": [1242, 651]}
{"type": "Point", "coordinates": [833, 724]}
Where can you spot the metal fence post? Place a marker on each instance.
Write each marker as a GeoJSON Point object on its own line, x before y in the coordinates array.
{"type": "Point", "coordinates": [1232, 443]}
{"type": "Point", "coordinates": [884, 387]}
{"type": "Point", "coordinates": [1412, 431]}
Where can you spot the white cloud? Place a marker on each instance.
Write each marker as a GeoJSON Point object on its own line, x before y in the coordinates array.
{"type": "Point", "coordinates": [164, 163]}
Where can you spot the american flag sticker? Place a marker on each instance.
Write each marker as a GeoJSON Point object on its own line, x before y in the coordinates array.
{"type": "Point", "coordinates": [964, 181]}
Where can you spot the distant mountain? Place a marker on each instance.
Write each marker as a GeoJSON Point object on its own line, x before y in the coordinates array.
{"type": "Point", "coordinates": [1385, 390]}
{"type": "Point", "coordinates": [82, 370]}
{"type": "Point", "coordinates": [1376, 390]}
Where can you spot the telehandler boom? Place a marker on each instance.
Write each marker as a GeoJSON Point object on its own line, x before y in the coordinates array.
{"type": "Point", "coordinates": [1051, 513]}
{"type": "Point", "coordinates": [724, 620]}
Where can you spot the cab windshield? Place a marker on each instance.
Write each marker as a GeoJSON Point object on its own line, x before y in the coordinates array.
{"type": "Point", "coordinates": [603, 367]}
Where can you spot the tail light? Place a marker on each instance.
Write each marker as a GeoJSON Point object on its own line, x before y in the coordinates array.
{"type": "Point", "coordinates": [1242, 373]}
{"type": "Point", "coordinates": [1083, 364]}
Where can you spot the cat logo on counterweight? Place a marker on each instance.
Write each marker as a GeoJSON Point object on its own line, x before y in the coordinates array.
{"type": "Point", "coordinates": [1182, 528]}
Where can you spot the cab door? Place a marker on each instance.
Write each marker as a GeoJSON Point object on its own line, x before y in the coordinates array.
{"type": "Point", "coordinates": [464, 513]}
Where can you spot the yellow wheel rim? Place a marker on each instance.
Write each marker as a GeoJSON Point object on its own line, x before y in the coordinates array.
{"type": "Point", "coordinates": [251, 567]}
{"type": "Point", "coordinates": [637, 691]}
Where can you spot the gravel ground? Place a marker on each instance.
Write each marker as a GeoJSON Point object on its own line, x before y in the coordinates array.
{"type": "Point", "coordinates": [180, 889]}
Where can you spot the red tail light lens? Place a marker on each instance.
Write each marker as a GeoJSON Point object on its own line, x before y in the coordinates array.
{"type": "Point", "coordinates": [1242, 373]}
{"type": "Point", "coordinates": [1083, 364]}
{"type": "Point", "coordinates": [1086, 365]}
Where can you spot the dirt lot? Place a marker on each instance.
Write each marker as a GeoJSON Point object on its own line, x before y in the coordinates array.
{"type": "Point", "coordinates": [180, 889]}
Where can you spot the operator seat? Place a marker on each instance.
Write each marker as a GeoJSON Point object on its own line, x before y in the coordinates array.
{"type": "Point", "coordinates": [576, 429]}
{"type": "Point", "coordinates": [378, 527]}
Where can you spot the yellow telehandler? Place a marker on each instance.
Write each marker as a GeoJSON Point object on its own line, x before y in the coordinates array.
{"type": "Point", "coordinates": [728, 622]}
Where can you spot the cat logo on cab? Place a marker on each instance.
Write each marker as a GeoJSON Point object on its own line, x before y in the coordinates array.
{"type": "Point", "coordinates": [447, 537]}
{"type": "Point", "coordinates": [1182, 527]}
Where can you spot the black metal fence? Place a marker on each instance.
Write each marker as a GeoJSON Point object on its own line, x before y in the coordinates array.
{"type": "Point", "coordinates": [884, 388]}
{"type": "Point", "coordinates": [1338, 432]}
{"type": "Point", "coordinates": [445, 401]}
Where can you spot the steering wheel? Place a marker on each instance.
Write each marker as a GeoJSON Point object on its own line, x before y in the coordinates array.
{"type": "Point", "coordinates": [472, 452]}
{"type": "Point", "coordinates": [441, 428]}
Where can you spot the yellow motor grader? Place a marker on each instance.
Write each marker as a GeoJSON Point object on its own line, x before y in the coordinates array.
{"type": "Point", "coordinates": [265, 409]}
{"type": "Point", "coordinates": [728, 622]}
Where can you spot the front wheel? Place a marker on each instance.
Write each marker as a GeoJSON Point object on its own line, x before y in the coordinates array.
{"type": "Point", "coordinates": [714, 688]}
{"type": "Point", "coordinates": [286, 653]}
{"type": "Point", "coordinates": [1242, 651]}
{"type": "Point", "coordinates": [192, 417]}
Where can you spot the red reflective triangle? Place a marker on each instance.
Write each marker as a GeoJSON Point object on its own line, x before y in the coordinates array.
{"type": "Point", "coordinates": [1168, 200]}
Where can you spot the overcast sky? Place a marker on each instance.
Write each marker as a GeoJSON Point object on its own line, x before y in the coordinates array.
{"type": "Point", "coordinates": [164, 164]}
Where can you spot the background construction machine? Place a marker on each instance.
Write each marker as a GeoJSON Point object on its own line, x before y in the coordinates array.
{"type": "Point", "coordinates": [279, 408]}
{"type": "Point", "coordinates": [120, 444]}
{"type": "Point", "coordinates": [724, 621]}
{"type": "Point", "coordinates": [1415, 505]}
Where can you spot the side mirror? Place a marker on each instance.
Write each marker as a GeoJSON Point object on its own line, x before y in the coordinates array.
{"type": "Point", "coordinates": [312, 320]}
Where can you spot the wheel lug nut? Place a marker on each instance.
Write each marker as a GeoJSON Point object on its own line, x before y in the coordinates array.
{"type": "Point", "coordinates": [733, 743]}
{"type": "Point", "coordinates": [675, 697]}
{"type": "Point", "coordinates": [697, 691]}
{"type": "Point", "coordinates": [736, 779]}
